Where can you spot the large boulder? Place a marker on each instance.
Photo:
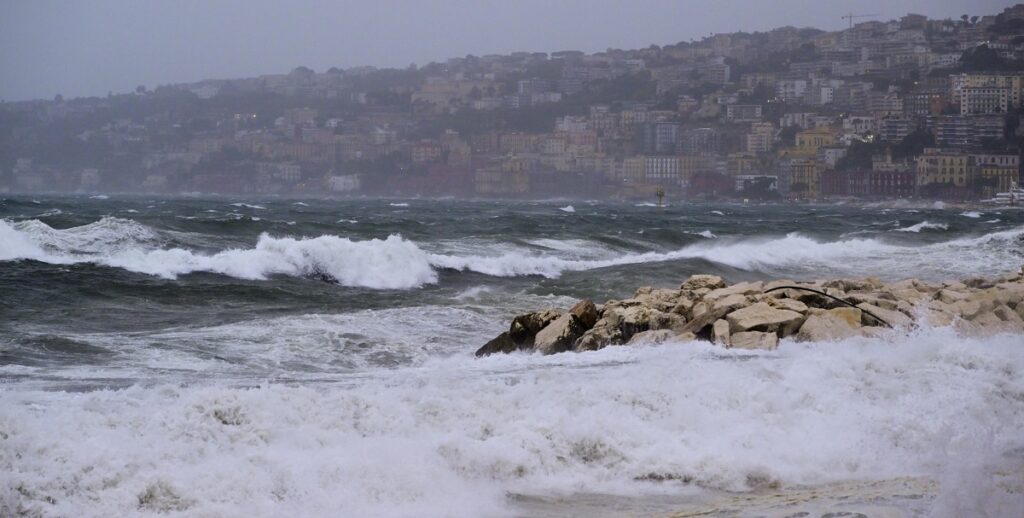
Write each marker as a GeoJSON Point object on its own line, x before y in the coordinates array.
{"type": "Point", "coordinates": [720, 332]}
{"type": "Point", "coordinates": [833, 324]}
{"type": "Point", "coordinates": [754, 340]}
{"type": "Point", "coordinates": [653, 336]}
{"type": "Point", "coordinates": [559, 336]}
{"type": "Point", "coordinates": [1010, 293]}
{"type": "Point", "coordinates": [731, 302]}
{"type": "Point", "coordinates": [525, 327]}
{"type": "Point", "coordinates": [742, 288]}
{"type": "Point", "coordinates": [636, 319]}
{"type": "Point", "coordinates": [882, 300]}
{"type": "Point", "coordinates": [890, 317]}
{"type": "Point", "coordinates": [703, 319]}
{"type": "Point", "coordinates": [684, 306]}
{"type": "Point", "coordinates": [500, 344]}
{"type": "Point", "coordinates": [606, 331]}
{"type": "Point", "coordinates": [669, 321]}
{"type": "Point", "coordinates": [696, 282]}
{"type": "Point", "coordinates": [660, 299]}
{"type": "Point", "coordinates": [1008, 315]}
{"type": "Point", "coordinates": [790, 304]}
{"type": "Point", "coordinates": [763, 317]}
{"type": "Point", "coordinates": [586, 312]}
{"type": "Point", "coordinates": [869, 284]}
{"type": "Point", "coordinates": [950, 296]}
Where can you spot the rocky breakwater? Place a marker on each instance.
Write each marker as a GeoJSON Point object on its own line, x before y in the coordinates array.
{"type": "Point", "coordinates": [756, 315]}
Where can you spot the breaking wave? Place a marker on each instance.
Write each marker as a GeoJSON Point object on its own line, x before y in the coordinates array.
{"type": "Point", "coordinates": [924, 225]}
{"type": "Point", "coordinates": [391, 263]}
{"type": "Point", "coordinates": [397, 263]}
{"type": "Point", "coordinates": [793, 254]}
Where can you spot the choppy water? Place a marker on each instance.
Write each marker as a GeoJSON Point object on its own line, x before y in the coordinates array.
{"type": "Point", "coordinates": [229, 357]}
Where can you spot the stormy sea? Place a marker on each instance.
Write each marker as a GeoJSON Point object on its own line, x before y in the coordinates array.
{"type": "Point", "coordinates": [221, 357]}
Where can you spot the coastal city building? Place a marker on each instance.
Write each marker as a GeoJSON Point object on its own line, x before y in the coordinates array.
{"type": "Point", "coordinates": [914, 107]}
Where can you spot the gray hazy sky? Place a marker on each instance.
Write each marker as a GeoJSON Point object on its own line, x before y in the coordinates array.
{"type": "Point", "coordinates": [77, 48]}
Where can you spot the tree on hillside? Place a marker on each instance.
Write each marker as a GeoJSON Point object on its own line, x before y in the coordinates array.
{"type": "Point", "coordinates": [913, 144]}
{"type": "Point", "coordinates": [858, 155]}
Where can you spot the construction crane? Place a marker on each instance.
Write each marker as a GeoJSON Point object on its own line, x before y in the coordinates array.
{"type": "Point", "coordinates": [851, 16]}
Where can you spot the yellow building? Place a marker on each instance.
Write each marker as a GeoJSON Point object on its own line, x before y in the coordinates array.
{"type": "Point", "coordinates": [510, 177]}
{"type": "Point", "coordinates": [994, 178]}
{"type": "Point", "coordinates": [1013, 81]}
{"type": "Point", "coordinates": [743, 163]}
{"type": "Point", "coordinates": [634, 169]}
{"type": "Point", "coordinates": [812, 139]}
{"type": "Point", "coordinates": [804, 179]}
{"type": "Point", "coordinates": [938, 166]}
{"type": "Point", "coordinates": [688, 166]}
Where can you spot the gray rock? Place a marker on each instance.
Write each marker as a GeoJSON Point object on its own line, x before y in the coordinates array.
{"type": "Point", "coordinates": [636, 320]}
{"type": "Point", "coordinates": [653, 336]}
{"type": "Point", "coordinates": [788, 304]}
{"type": "Point", "coordinates": [500, 344]}
{"type": "Point", "coordinates": [892, 318]}
{"type": "Point", "coordinates": [660, 299]}
{"type": "Point", "coordinates": [742, 288]}
{"type": "Point", "coordinates": [763, 317]}
{"type": "Point", "coordinates": [586, 312]}
{"type": "Point", "coordinates": [684, 307]}
{"type": "Point", "coordinates": [559, 335]}
{"type": "Point", "coordinates": [731, 302]}
{"type": "Point", "coordinates": [709, 282]}
{"type": "Point", "coordinates": [720, 332]}
{"type": "Point", "coordinates": [754, 340]}
{"type": "Point", "coordinates": [669, 321]}
{"type": "Point", "coordinates": [604, 333]}
{"type": "Point", "coordinates": [525, 327]}
{"type": "Point", "coordinates": [704, 319]}
{"type": "Point", "coordinates": [950, 296]}
{"type": "Point", "coordinates": [830, 325]}
{"type": "Point", "coordinates": [1006, 314]}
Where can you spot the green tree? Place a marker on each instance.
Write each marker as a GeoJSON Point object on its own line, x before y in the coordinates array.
{"type": "Point", "coordinates": [858, 155]}
{"type": "Point", "coordinates": [913, 144]}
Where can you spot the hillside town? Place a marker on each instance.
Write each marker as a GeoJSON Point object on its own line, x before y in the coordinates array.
{"type": "Point", "coordinates": [907, 108]}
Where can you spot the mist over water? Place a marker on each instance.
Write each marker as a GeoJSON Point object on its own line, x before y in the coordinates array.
{"type": "Point", "coordinates": [265, 356]}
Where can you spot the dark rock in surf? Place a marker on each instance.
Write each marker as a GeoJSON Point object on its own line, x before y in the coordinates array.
{"type": "Point", "coordinates": [559, 335]}
{"type": "Point", "coordinates": [500, 344]}
{"type": "Point", "coordinates": [525, 327]}
{"type": "Point", "coordinates": [521, 333]}
{"type": "Point", "coordinates": [586, 312]}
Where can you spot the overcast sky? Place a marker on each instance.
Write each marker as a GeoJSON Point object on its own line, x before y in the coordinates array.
{"type": "Point", "coordinates": [77, 47]}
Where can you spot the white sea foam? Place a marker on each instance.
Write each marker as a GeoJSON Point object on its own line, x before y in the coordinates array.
{"type": "Point", "coordinates": [717, 213]}
{"type": "Point", "coordinates": [568, 208]}
{"type": "Point", "coordinates": [391, 263]}
{"type": "Point", "coordinates": [971, 214]}
{"type": "Point", "coordinates": [705, 234]}
{"type": "Point", "coordinates": [453, 436]}
{"type": "Point", "coordinates": [99, 197]}
{"type": "Point", "coordinates": [924, 225]}
{"type": "Point", "coordinates": [248, 206]}
{"type": "Point", "coordinates": [399, 204]}
{"type": "Point", "coordinates": [793, 254]}
{"type": "Point", "coordinates": [396, 263]}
